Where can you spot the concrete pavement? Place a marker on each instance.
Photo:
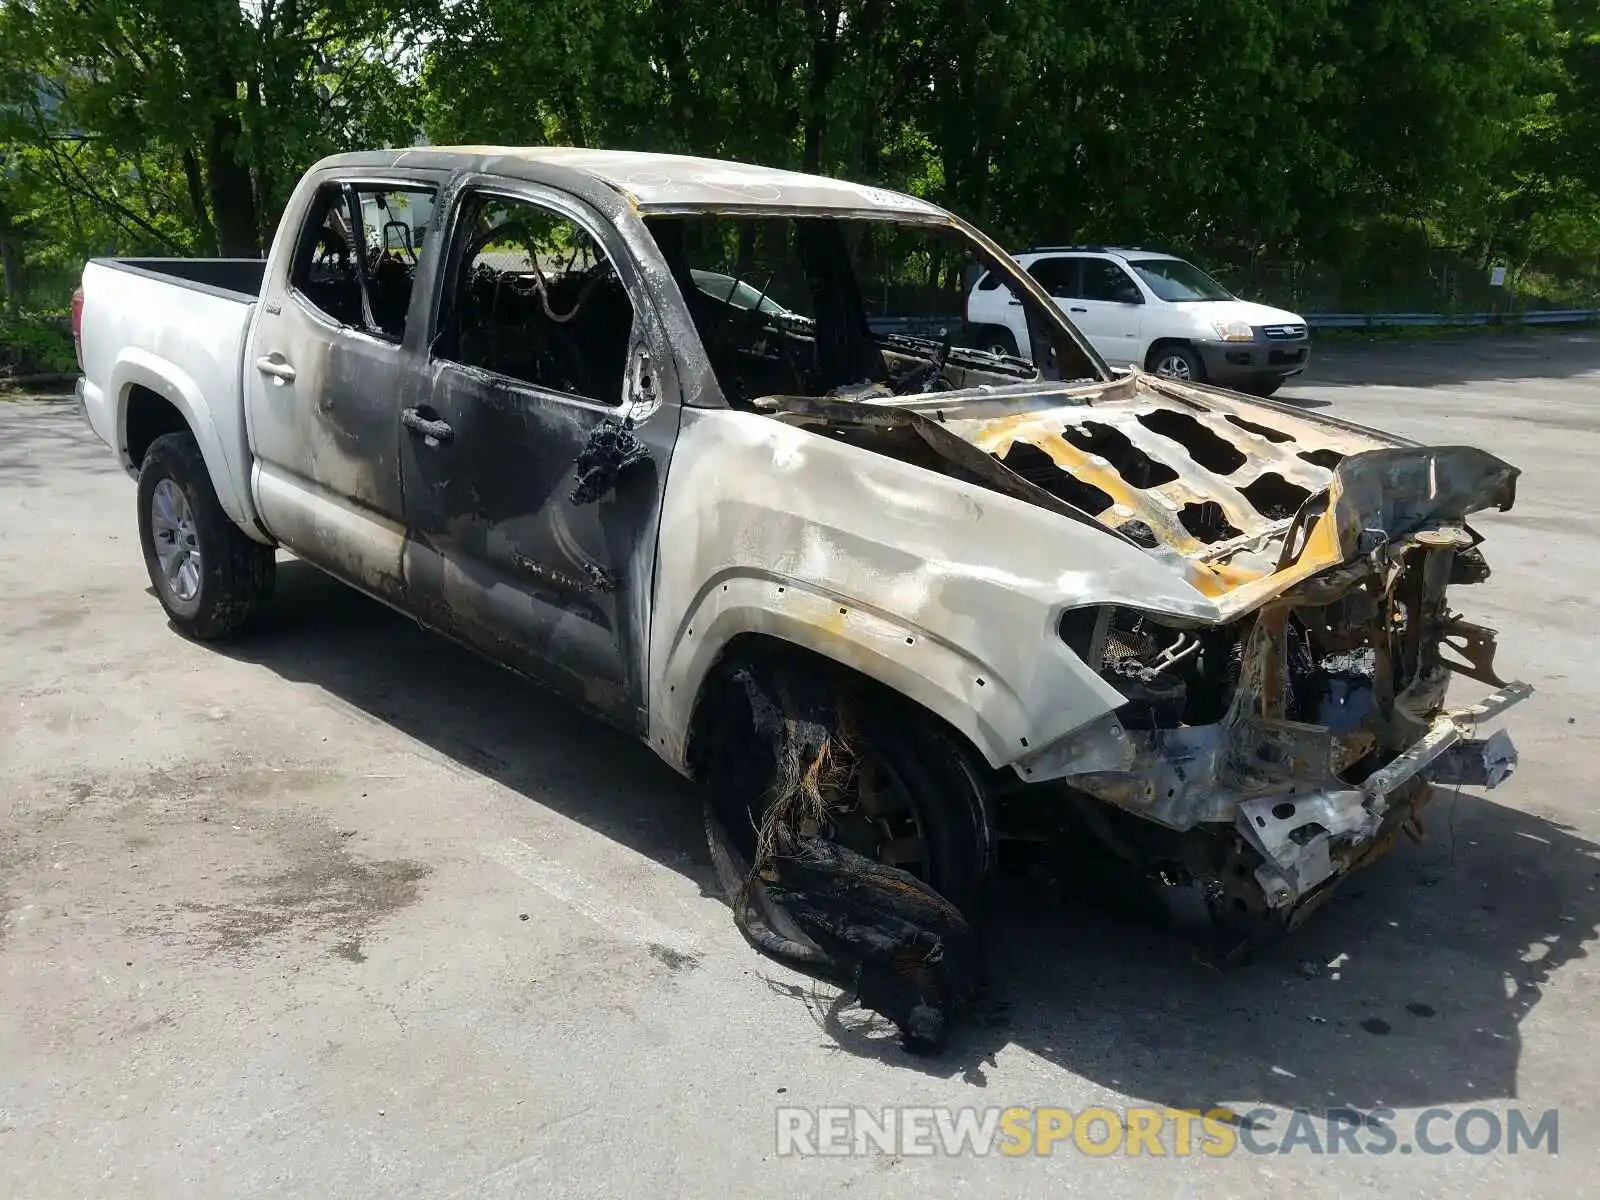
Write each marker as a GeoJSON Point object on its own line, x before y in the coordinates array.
{"type": "Point", "coordinates": [343, 911]}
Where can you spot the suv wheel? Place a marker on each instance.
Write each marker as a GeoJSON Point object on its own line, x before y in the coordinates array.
{"type": "Point", "coordinates": [998, 340]}
{"type": "Point", "coordinates": [1177, 362]}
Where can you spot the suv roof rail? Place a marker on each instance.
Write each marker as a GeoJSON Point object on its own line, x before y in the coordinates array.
{"type": "Point", "coordinates": [1094, 249]}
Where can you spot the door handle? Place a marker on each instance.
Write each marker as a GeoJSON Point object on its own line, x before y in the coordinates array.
{"type": "Point", "coordinates": [433, 432]}
{"type": "Point", "coordinates": [275, 366]}
{"type": "Point", "coordinates": [1013, 303]}
{"type": "Point", "coordinates": [1075, 308]}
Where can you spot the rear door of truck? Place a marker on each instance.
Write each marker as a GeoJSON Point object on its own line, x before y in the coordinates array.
{"type": "Point", "coordinates": [332, 358]}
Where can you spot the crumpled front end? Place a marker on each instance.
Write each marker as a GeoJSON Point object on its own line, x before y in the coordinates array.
{"type": "Point", "coordinates": [1264, 712]}
{"type": "Point", "coordinates": [1289, 740]}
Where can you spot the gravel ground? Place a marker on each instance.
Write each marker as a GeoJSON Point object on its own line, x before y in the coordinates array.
{"type": "Point", "coordinates": [343, 911]}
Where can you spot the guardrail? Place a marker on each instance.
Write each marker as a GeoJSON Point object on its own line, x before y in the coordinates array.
{"type": "Point", "coordinates": [929, 327]}
{"type": "Point", "coordinates": [1550, 316]}
{"type": "Point", "coordinates": [936, 327]}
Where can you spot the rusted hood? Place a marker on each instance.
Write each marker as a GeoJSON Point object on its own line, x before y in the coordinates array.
{"type": "Point", "coordinates": [1253, 496]}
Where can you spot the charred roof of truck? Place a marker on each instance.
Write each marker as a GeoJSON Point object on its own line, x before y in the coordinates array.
{"type": "Point", "coordinates": [666, 182]}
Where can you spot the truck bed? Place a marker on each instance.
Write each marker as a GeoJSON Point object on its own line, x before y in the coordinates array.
{"type": "Point", "coordinates": [174, 330]}
{"type": "Point", "coordinates": [232, 278]}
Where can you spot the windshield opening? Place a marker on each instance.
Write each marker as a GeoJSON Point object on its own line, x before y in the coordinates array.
{"type": "Point", "coordinates": [848, 307]}
{"type": "Point", "coordinates": [1175, 281]}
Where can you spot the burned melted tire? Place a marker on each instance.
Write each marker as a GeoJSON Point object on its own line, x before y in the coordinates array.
{"type": "Point", "coordinates": [939, 796]}
{"type": "Point", "coordinates": [210, 578]}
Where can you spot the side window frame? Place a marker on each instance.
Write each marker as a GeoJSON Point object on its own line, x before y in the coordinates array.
{"type": "Point", "coordinates": [1114, 265]}
{"type": "Point", "coordinates": [1071, 265]}
{"type": "Point", "coordinates": [348, 184]}
{"type": "Point", "coordinates": [645, 329]}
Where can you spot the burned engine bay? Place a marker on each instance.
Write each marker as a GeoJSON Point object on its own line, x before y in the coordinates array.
{"type": "Point", "coordinates": [1306, 722]}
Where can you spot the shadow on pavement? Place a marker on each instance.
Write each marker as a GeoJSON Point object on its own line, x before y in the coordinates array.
{"type": "Point", "coordinates": [1406, 989]}
{"type": "Point", "coordinates": [1446, 361]}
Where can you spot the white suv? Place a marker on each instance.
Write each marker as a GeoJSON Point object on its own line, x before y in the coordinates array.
{"type": "Point", "coordinates": [1153, 311]}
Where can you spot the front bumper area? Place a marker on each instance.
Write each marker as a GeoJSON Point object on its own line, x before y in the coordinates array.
{"type": "Point", "coordinates": [1306, 840]}
{"type": "Point", "coordinates": [1264, 358]}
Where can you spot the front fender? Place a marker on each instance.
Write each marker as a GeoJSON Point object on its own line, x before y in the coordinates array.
{"type": "Point", "coordinates": [947, 680]}
{"type": "Point", "coordinates": [945, 593]}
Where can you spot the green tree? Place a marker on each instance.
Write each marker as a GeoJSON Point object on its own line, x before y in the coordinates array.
{"type": "Point", "coordinates": [232, 98]}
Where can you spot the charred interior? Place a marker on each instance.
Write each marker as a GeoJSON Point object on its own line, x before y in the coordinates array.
{"type": "Point", "coordinates": [805, 306]}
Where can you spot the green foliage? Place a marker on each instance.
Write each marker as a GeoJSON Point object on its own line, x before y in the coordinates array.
{"type": "Point", "coordinates": [1330, 150]}
{"type": "Point", "coordinates": [36, 344]}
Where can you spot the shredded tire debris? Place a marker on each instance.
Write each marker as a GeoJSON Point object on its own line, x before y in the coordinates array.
{"type": "Point", "coordinates": [905, 951]}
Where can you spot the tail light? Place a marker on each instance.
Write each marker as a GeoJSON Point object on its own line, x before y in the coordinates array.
{"type": "Point", "coordinates": [77, 325]}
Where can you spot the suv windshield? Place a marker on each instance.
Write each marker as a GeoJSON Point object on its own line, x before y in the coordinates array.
{"type": "Point", "coordinates": [1174, 280]}
{"type": "Point", "coordinates": [736, 292]}
{"type": "Point", "coordinates": [819, 305]}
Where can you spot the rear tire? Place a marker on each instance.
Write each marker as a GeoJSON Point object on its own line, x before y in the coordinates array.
{"type": "Point", "coordinates": [1178, 362]}
{"type": "Point", "coordinates": [926, 786]}
{"type": "Point", "coordinates": [210, 577]}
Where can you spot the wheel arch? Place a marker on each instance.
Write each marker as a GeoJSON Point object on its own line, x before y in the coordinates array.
{"type": "Point", "coordinates": [879, 652]}
{"type": "Point", "coordinates": [763, 649]}
{"type": "Point", "coordinates": [1162, 343]}
{"type": "Point", "coordinates": [155, 396]}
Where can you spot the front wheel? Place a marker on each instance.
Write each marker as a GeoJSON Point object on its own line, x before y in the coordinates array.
{"type": "Point", "coordinates": [1177, 362]}
{"type": "Point", "coordinates": [913, 798]}
{"type": "Point", "coordinates": [208, 575]}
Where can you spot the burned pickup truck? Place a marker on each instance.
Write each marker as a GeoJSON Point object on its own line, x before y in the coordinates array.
{"type": "Point", "coordinates": [640, 427]}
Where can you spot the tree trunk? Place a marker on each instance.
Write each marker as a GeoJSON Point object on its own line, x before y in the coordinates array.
{"type": "Point", "coordinates": [233, 201]}
{"type": "Point", "coordinates": [261, 170]}
{"type": "Point", "coordinates": [196, 183]}
{"type": "Point", "coordinates": [824, 47]}
{"type": "Point", "coordinates": [232, 193]}
{"type": "Point", "coordinates": [11, 267]}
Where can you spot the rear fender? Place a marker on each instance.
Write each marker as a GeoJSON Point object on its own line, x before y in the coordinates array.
{"type": "Point", "coordinates": [139, 368]}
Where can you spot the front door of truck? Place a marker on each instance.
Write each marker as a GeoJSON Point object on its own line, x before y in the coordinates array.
{"type": "Point", "coordinates": [544, 349]}
{"type": "Point", "coordinates": [326, 370]}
